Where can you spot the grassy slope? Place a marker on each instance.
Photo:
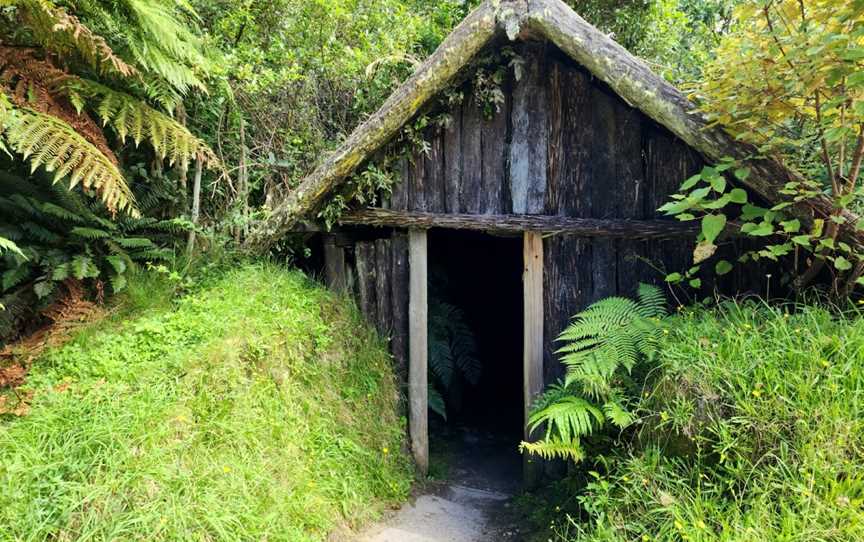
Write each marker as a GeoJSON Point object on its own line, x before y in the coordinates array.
{"type": "Point", "coordinates": [761, 435]}
{"type": "Point", "coordinates": [257, 407]}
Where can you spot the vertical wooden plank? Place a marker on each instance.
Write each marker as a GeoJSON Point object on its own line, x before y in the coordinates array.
{"type": "Point", "coordinates": [567, 289]}
{"type": "Point", "coordinates": [418, 349]}
{"type": "Point", "coordinates": [334, 265]}
{"type": "Point", "coordinates": [417, 176]}
{"type": "Point", "coordinates": [434, 170]}
{"type": "Point", "coordinates": [604, 198]}
{"type": "Point", "coordinates": [528, 147]}
{"type": "Point", "coordinates": [401, 190]}
{"type": "Point", "coordinates": [383, 279]}
{"type": "Point", "coordinates": [532, 360]}
{"type": "Point", "coordinates": [493, 142]}
{"type": "Point", "coordinates": [399, 302]}
{"type": "Point", "coordinates": [364, 254]}
{"type": "Point", "coordinates": [453, 161]}
{"type": "Point", "coordinates": [472, 157]}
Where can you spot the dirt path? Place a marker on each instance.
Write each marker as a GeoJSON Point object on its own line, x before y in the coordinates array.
{"type": "Point", "coordinates": [472, 505]}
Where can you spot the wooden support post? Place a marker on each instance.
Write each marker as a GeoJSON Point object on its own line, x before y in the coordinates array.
{"type": "Point", "coordinates": [533, 338]}
{"type": "Point", "coordinates": [418, 349]}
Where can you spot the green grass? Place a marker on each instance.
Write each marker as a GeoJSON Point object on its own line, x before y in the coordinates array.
{"type": "Point", "coordinates": [752, 431]}
{"type": "Point", "coordinates": [256, 407]}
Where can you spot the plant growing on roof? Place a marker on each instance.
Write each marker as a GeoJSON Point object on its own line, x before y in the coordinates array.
{"type": "Point", "coordinates": [602, 346]}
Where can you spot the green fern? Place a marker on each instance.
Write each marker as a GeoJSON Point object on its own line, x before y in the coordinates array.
{"type": "Point", "coordinates": [46, 141]}
{"type": "Point", "coordinates": [452, 351]}
{"type": "Point", "coordinates": [602, 346]}
{"type": "Point", "coordinates": [69, 242]}
{"type": "Point", "coordinates": [130, 117]}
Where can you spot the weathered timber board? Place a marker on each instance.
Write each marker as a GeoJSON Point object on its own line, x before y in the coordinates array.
{"type": "Point", "coordinates": [528, 147]}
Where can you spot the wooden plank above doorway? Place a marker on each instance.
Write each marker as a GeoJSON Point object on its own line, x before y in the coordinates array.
{"type": "Point", "coordinates": [579, 227]}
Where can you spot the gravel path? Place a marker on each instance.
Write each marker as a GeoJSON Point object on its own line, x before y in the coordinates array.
{"type": "Point", "coordinates": [473, 505]}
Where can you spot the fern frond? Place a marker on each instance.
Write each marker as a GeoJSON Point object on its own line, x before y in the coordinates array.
{"type": "Point", "coordinates": [652, 302]}
{"type": "Point", "coordinates": [436, 402]}
{"type": "Point", "coordinates": [7, 245]}
{"type": "Point", "coordinates": [63, 33]}
{"type": "Point", "coordinates": [554, 449]}
{"type": "Point", "coordinates": [601, 347]}
{"type": "Point", "coordinates": [567, 419]}
{"type": "Point", "coordinates": [617, 414]}
{"type": "Point", "coordinates": [131, 117]}
{"type": "Point", "coordinates": [164, 45]}
{"type": "Point", "coordinates": [90, 233]}
{"type": "Point", "coordinates": [48, 142]}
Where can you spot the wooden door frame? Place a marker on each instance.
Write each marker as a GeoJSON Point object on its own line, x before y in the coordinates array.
{"type": "Point", "coordinates": [418, 313]}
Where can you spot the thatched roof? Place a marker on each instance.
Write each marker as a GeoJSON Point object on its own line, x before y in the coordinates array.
{"type": "Point", "coordinates": [552, 20]}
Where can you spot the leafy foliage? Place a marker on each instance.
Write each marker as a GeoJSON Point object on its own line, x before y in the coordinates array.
{"type": "Point", "coordinates": [753, 432]}
{"type": "Point", "coordinates": [788, 80]}
{"type": "Point", "coordinates": [62, 238]}
{"type": "Point", "coordinates": [38, 119]}
{"type": "Point", "coordinates": [452, 353]}
{"type": "Point", "coordinates": [602, 346]}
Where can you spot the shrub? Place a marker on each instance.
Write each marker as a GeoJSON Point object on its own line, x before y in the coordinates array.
{"type": "Point", "coordinates": [768, 402]}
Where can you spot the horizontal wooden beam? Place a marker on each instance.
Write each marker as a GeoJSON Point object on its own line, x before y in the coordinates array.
{"type": "Point", "coordinates": [579, 227]}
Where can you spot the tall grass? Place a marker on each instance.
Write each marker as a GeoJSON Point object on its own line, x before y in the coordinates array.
{"type": "Point", "coordinates": [258, 407]}
{"type": "Point", "coordinates": [753, 430]}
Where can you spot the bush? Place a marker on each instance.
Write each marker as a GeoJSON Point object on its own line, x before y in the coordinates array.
{"type": "Point", "coordinates": [256, 407]}
{"type": "Point", "coordinates": [753, 431]}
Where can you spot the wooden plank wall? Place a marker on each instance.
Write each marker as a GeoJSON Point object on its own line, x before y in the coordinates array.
{"type": "Point", "coordinates": [561, 144]}
{"type": "Point", "coordinates": [375, 273]}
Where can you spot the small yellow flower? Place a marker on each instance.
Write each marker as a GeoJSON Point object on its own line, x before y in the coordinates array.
{"type": "Point", "coordinates": [679, 525]}
{"type": "Point", "coordinates": [757, 393]}
{"type": "Point", "coordinates": [226, 469]}
{"type": "Point", "coordinates": [701, 524]}
{"type": "Point", "coordinates": [825, 363]}
{"type": "Point", "coordinates": [645, 538]}
{"type": "Point", "coordinates": [861, 301]}
{"type": "Point", "coordinates": [385, 451]}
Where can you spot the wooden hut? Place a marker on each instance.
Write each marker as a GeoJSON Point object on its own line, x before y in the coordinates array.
{"type": "Point", "coordinates": [584, 144]}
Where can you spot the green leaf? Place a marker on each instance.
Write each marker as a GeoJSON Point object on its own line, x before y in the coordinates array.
{"type": "Point", "coordinates": [674, 278]}
{"type": "Point", "coordinates": [696, 283]}
{"type": "Point", "coordinates": [722, 267]}
{"type": "Point", "coordinates": [803, 240]}
{"type": "Point", "coordinates": [712, 226]}
{"type": "Point", "coordinates": [718, 183]}
{"type": "Point", "coordinates": [43, 288]}
{"type": "Point", "coordinates": [742, 173]}
{"type": "Point", "coordinates": [842, 264]}
{"type": "Point", "coordinates": [791, 226]}
{"type": "Point", "coordinates": [737, 195]}
{"type": "Point", "coordinates": [691, 182]}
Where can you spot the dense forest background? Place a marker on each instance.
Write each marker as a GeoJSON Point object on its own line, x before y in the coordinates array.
{"type": "Point", "coordinates": [185, 120]}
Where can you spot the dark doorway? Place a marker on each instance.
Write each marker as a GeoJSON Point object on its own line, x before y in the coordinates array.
{"type": "Point", "coordinates": [476, 320]}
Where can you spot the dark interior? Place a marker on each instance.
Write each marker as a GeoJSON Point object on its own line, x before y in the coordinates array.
{"type": "Point", "coordinates": [481, 275]}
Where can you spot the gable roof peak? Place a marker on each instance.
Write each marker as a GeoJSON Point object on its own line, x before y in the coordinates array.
{"type": "Point", "coordinates": [553, 20]}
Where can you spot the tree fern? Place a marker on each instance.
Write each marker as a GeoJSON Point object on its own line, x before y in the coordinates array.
{"type": "Point", "coordinates": [602, 345]}
{"type": "Point", "coordinates": [46, 141]}
{"type": "Point", "coordinates": [64, 34]}
{"type": "Point", "coordinates": [130, 117]}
